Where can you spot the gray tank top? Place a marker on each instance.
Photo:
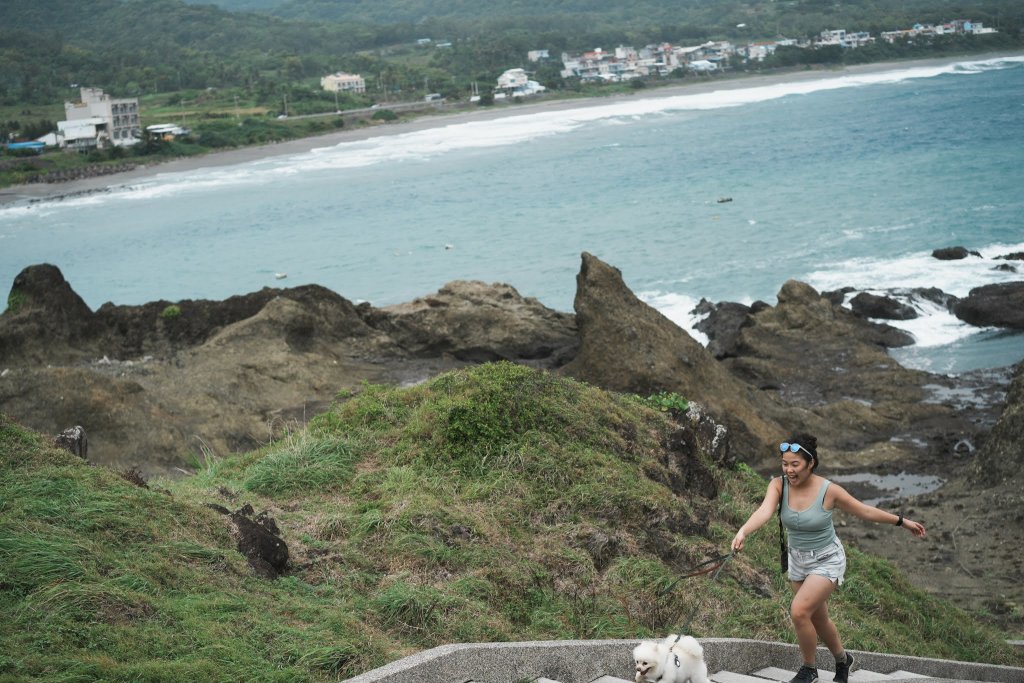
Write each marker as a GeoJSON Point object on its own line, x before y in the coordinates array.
{"type": "Point", "coordinates": [812, 528]}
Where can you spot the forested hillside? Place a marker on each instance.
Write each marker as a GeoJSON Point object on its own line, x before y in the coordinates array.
{"type": "Point", "coordinates": [759, 15]}
{"type": "Point", "coordinates": [135, 48]}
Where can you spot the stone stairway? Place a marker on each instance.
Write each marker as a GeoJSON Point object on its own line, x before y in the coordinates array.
{"type": "Point", "coordinates": [773, 673]}
{"type": "Point", "coordinates": [733, 660]}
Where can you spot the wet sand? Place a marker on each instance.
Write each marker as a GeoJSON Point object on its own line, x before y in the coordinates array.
{"type": "Point", "coordinates": [42, 191]}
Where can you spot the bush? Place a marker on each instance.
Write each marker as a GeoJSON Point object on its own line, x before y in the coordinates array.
{"type": "Point", "coordinates": [668, 401]}
{"type": "Point", "coordinates": [16, 300]}
{"type": "Point", "coordinates": [384, 115]}
{"type": "Point", "coordinates": [171, 312]}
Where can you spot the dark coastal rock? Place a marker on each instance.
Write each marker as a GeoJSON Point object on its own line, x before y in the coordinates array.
{"type": "Point", "coordinates": [127, 425]}
{"type": "Point", "coordinates": [1015, 256]}
{"type": "Point", "coordinates": [163, 328]}
{"type": "Point", "coordinates": [54, 325]}
{"type": "Point", "coordinates": [832, 368]}
{"type": "Point", "coordinates": [258, 540]}
{"type": "Point", "coordinates": [154, 382]}
{"type": "Point", "coordinates": [722, 325]}
{"type": "Point", "coordinates": [1001, 459]}
{"type": "Point", "coordinates": [74, 440]}
{"type": "Point", "coordinates": [868, 305]}
{"type": "Point", "coordinates": [837, 296]}
{"type": "Point", "coordinates": [628, 346]}
{"type": "Point", "coordinates": [477, 322]}
{"type": "Point", "coordinates": [43, 313]}
{"type": "Point", "coordinates": [953, 253]}
{"type": "Point", "coordinates": [935, 295]}
{"type": "Point", "coordinates": [998, 305]}
{"type": "Point", "coordinates": [1006, 268]}
{"type": "Point", "coordinates": [42, 289]}
{"type": "Point", "coordinates": [685, 471]}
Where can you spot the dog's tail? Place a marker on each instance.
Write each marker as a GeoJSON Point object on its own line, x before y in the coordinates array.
{"type": "Point", "coordinates": [689, 645]}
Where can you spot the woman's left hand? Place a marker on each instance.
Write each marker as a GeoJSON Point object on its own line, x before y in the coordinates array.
{"type": "Point", "coordinates": [913, 527]}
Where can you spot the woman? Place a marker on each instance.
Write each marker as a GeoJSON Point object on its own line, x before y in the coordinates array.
{"type": "Point", "coordinates": [817, 561]}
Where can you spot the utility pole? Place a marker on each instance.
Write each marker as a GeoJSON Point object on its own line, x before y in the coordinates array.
{"type": "Point", "coordinates": [286, 105]}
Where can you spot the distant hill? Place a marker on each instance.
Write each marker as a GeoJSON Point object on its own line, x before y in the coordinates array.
{"type": "Point", "coordinates": [269, 46]}
{"type": "Point", "coordinates": [761, 17]}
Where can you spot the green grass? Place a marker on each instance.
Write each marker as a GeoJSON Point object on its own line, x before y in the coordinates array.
{"type": "Point", "coordinates": [492, 504]}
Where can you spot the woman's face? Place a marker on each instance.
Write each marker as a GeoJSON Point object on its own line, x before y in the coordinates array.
{"type": "Point", "coordinates": [795, 468]}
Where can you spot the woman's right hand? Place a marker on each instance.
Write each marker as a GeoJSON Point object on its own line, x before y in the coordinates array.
{"type": "Point", "coordinates": [737, 541]}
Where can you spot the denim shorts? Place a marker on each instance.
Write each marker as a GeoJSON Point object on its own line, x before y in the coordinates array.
{"type": "Point", "coordinates": [828, 561]}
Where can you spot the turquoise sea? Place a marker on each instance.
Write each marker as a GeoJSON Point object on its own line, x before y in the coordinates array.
{"type": "Point", "coordinates": [841, 180]}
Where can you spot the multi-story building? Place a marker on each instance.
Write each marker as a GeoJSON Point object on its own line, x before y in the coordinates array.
{"type": "Point", "coordinates": [112, 121]}
{"type": "Point", "coordinates": [343, 82]}
{"type": "Point", "coordinates": [517, 83]}
{"type": "Point", "coordinates": [956, 27]}
{"type": "Point", "coordinates": [844, 39]}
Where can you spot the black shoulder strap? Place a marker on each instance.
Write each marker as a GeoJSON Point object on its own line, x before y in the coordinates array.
{"type": "Point", "coordinates": [782, 531]}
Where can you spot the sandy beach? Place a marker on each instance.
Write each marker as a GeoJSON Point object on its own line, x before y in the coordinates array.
{"type": "Point", "coordinates": [44, 191]}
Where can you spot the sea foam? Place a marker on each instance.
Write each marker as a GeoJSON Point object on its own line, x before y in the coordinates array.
{"type": "Point", "coordinates": [510, 130]}
{"type": "Point", "coordinates": [897, 277]}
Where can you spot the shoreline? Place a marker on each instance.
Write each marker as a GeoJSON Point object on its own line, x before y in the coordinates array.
{"type": "Point", "coordinates": [36, 192]}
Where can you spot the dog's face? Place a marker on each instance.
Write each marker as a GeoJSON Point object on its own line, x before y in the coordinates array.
{"type": "Point", "coordinates": [648, 658]}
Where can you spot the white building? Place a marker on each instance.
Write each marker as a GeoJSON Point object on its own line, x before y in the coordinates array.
{"type": "Point", "coordinates": [83, 134]}
{"type": "Point", "coordinates": [343, 82]}
{"type": "Point", "coordinates": [516, 83]}
{"type": "Point", "coordinates": [843, 39]}
{"type": "Point", "coordinates": [111, 121]}
{"type": "Point", "coordinates": [166, 131]}
{"type": "Point", "coordinates": [702, 65]}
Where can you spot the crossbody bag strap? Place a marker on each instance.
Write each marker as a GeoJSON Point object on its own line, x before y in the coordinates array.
{"type": "Point", "coordinates": [783, 551]}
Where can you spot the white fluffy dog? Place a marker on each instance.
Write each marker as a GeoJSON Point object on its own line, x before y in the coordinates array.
{"type": "Point", "coordinates": [674, 660]}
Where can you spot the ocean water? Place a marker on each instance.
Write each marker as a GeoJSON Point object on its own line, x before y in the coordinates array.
{"type": "Point", "coordinates": [838, 181]}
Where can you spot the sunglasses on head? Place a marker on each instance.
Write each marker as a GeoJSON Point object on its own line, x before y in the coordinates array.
{"type": "Point", "coordinates": [793, 448]}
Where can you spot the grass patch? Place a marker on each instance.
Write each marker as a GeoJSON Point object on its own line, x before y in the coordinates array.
{"type": "Point", "coordinates": [491, 504]}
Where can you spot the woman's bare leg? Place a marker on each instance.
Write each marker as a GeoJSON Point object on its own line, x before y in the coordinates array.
{"type": "Point", "coordinates": [812, 596]}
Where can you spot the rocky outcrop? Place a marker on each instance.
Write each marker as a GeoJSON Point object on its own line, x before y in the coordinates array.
{"type": "Point", "coordinates": [832, 370]}
{"type": "Point", "coordinates": [722, 323]}
{"type": "Point", "coordinates": [73, 440]}
{"type": "Point", "coordinates": [998, 305]}
{"type": "Point", "coordinates": [1001, 459]}
{"type": "Point", "coordinates": [953, 253]}
{"type": "Point", "coordinates": [259, 540]}
{"type": "Point", "coordinates": [43, 312]}
{"type": "Point", "coordinates": [474, 322]}
{"type": "Point", "coordinates": [160, 384]}
{"type": "Point", "coordinates": [627, 346]}
{"type": "Point", "coordinates": [868, 305]}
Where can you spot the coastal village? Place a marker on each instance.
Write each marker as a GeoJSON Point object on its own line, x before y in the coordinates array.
{"type": "Point", "coordinates": [100, 121]}
{"type": "Point", "coordinates": [627, 63]}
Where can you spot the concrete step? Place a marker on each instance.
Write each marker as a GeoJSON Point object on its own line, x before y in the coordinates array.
{"type": "Point", "coordinates": [602, 679]}
{"type": "Point", "coordinates": [900, 673]}
{"type": "Point", "coordinates": [774, 673]}
{"type": "Point", "coordinates": [731, 677]}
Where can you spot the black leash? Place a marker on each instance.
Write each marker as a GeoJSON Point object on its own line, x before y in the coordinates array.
{"type": "Point", "coordinates": [715, 565]}
{"type": "Point", "coordinates": [712, 565]}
